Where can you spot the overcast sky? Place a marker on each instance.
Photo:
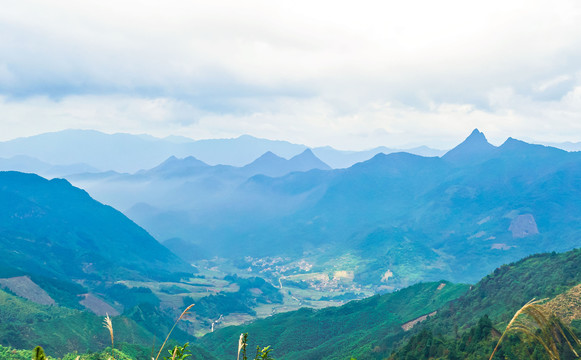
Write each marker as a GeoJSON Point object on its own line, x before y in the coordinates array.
{"type": "Point", "coordinates": [351, 74]}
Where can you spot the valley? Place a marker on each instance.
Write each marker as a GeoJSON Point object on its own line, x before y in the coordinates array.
{"type": "Point", "coordinates": [290, 180]}
{"type": "Point", "coordinates": [289, 240]}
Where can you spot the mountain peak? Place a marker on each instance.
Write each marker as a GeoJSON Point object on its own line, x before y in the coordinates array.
{"type": "Point", "coordinates": [307, 160]}
{"type": "Point", "coordinates": [474, 148]}
{"type": "Point", "coordinates": [189, 161]}
{"type": "Point", "coordinates": [267, 159]}
{"type": "Point", "coordinates": [269, 155]}
{"type": "Point", "coordinates": [476, 136]}
{"type": "Point", "coordinates": [175, 166]}
{"type": "Point", "coordinates": [308, 153]}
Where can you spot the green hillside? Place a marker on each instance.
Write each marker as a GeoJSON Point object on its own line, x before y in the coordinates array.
{"type": "Point", "coordinates": [60, 330]}
{"type": "Point", "coordinates": [333, 333]}
{"type": "Point", "coordinates": [54, 229]}
{"type": "Point", "coordinates": [467, 322]}
{"type": "Point", "coordinates": [452, 321]}
{"type": "Point", "coordinates": [466, 327]}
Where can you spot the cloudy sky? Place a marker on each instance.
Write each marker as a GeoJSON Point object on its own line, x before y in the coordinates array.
{"type": "Point", "coordinates": [348, 74]}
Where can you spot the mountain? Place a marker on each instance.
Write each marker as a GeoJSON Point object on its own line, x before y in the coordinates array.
{"type": "Point", "coordinates": [130, 153]}
{"type": "Point", "coordinates": [54, 229]}
{"type": "Point", "coordinates": [418, 218]}
{"type": "Point", "coordinates": [61, 330]}
{"type": "Point", "coordinates": [241, 150]}
{"type": "Point", "coordinates": [306, 161]}
{"type": "Point", "coordinates": [23, 163]}
{"type": "Point", "coordinates": [351, 330]}
{"type": "Point", "coordinates": [127, 153]}
{"type": "Point", "coordinates": [120, 152]}
{"type": "Point", "coordinates": [472, 150]}
{"type": "Point", "coordinates": [268, 164]}
{"type": "Point", "coordinates": [57, 329]}
{"type": "Point", "coordinates": [470, 326]}
{"type": "Point", "coordinates": [374, 327]}
{"type": "Point", "coordinates": [341, 159]}
{"type": "Point", "coordinates": [174, 167]}
{"type": "Point", "coordinates": [567, 146]}
{"type": "Point", "coordinates": [272, 165]}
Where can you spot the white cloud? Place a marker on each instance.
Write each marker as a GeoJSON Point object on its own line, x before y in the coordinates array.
{"type": "Point", "coordinates": [351, 74]}
{"type": "Point", "coordinates": [543, 86]}
{"type": "Point", "coordinates": [311, 121]}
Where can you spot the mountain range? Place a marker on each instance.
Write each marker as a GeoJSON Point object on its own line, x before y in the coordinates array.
{"type": "Point", "coordinates": [422, 218]}
{"type": "Point", "coordinates": [298, 233]}
{"type": "Point", "coordinates": [128, 153]}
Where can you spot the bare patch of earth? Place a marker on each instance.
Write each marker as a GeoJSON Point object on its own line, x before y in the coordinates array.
{"type": "Point", "coordinates": [26, 288]}
{"type": "Point", "coordinates": [410, 324]}
{"type": "Point", "coordinates": [98, 306]}
{"type": "Point", "coordinates": [523, 226]}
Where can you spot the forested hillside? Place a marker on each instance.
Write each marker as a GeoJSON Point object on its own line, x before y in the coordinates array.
{"type": "Point", "coordinates": [466, 324]}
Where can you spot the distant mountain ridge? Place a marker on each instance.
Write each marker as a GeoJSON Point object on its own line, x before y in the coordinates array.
{"type": "Point", "coordinates": [270, 164]}
{"type": "Point", "coordinates": [128, 153]}
{"type": "Point", "coordinates": [419, 217]}
{"type": "Point", "coordinates": [23, 163]}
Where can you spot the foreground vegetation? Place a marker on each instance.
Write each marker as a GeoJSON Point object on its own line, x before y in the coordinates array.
{"type": "Point", "coordinates": [371, 328]}
{"type": "Point", "coordinates": [451, 322]}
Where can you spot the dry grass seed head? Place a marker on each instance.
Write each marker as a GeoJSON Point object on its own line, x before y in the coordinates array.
{"type": "Point", "coordinates": [240, 343]}
{"type": "Point", "coordinates": [183, 314]}
{"type": "Point", "coordinates": [534, 317]}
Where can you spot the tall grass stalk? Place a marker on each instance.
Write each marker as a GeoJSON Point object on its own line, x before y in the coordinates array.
{"type": "Point", "coordinates": [184, 313]}
{"type": "Point", "coordinates": [240, 344]}
{"type": "Point", "coordinates": [537, 322]}
{"type": "Point", "coordinates": [109, 326]}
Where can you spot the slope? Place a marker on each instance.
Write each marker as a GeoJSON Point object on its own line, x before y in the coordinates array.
{"type": "Point", "coordinates": [60, 330]}
{"type": "Point", "coordinates": [371, 328]}
{"type": "Point", "coordinates": [465, 329]}
{"type": "Point", "coordinates": [334, 333]}
{"type": "Point", "coordinates": [52, 228]}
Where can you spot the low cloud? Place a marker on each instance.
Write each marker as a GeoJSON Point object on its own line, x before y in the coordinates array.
{"type": "Point", "coordinates": [351, 75]}
{"type": "Point", "coordinates": [310, 121]}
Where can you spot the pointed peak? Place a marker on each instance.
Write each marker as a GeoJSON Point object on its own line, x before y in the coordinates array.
{"type": "Point", "coordinates": [511, 140]}
{"type": "Point", "coordinates": [308, 153]}
{"type": "Point", "coordinates": [267, 158]}
{"type": "Point", "coordinates": [174, 159]}
{"type": "Point", "coordinates": [476, 136]}
{"type": "Point", "coordinates": [269, 155]}
{"type": "Point", "coordinates": [476, 132]}
{"type": "Point", "coordinates": [191, 160]}
{"type": "Point", "coordinates": [170, 160]}
{"type": "Point", "coordinates": [472, 149]}
{"type": "Point", "coordinates": [173, 163]}
{"type": "Point", "coordinates": [307, 160]}
{"type": "Point", "coordinates": [512, 144]}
